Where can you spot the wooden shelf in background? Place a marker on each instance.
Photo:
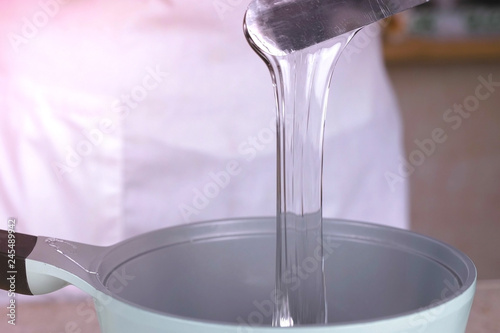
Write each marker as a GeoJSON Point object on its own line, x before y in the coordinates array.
{"type": "Point", "coordinates": [427, 50]}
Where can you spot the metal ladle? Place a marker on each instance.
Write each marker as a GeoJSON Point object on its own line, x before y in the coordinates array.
{"type": "Point", "coordinates": [280, 27]}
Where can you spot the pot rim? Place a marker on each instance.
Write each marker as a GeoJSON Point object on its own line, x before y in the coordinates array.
{"type": "Point", "coordinates": [465, 287]}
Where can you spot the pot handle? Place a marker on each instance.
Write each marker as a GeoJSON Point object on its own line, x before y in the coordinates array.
{"type": "Point", "coordinates": [14, 249]}
{"type": "Point", "coordinates": [33, 265]}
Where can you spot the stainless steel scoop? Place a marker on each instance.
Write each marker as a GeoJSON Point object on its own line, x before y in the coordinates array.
{"type": "Point", "coordinates": [280, 27]}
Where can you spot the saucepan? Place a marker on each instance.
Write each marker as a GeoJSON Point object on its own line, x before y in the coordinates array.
{"type": "Point", "coordinates": [218, 276]}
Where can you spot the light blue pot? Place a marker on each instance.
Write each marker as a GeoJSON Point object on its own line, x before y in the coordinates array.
{"type": "Point", "coordinates": [218, 277]}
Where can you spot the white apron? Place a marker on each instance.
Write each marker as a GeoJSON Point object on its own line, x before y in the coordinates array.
{"type": "Point", "coordinates": [119, 117]}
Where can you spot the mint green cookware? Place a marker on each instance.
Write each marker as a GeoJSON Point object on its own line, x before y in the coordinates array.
{"type": "Point", "coordinates": [218, 277]}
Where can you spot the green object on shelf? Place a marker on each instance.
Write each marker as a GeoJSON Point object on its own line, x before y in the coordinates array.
{"type": "Point", "coordinates": [467, 21]}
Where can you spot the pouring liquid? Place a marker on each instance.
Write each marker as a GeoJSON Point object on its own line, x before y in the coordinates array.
{"type": "Point", "coordinates": [302, 82]}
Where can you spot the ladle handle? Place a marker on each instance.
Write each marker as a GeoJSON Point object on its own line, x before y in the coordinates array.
{"type": "Point", "coordinates": [14, 249]}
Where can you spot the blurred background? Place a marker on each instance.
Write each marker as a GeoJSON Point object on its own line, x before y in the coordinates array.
{"type": "Point", "coordinates": [437, 56]}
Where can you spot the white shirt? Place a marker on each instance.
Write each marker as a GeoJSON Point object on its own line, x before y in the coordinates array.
{"type": "Point", "coordinates": [118, 117]}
